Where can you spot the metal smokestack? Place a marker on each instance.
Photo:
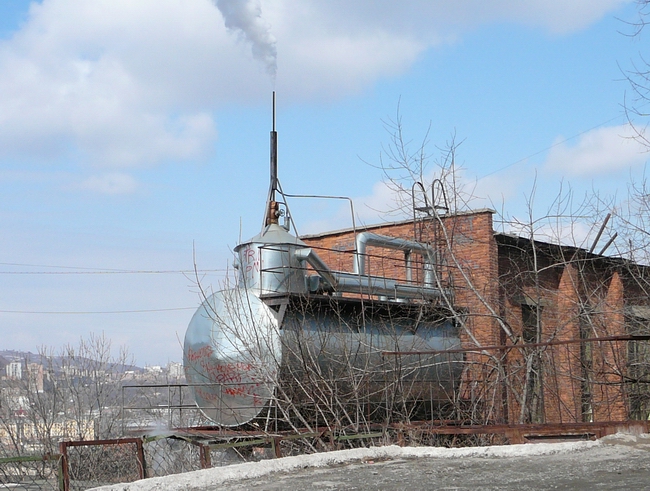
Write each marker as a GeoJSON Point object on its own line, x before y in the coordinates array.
{"type": "Point", "coordinates": [272, 213]}
{"type": "Point", "coordinates": [274, 156]}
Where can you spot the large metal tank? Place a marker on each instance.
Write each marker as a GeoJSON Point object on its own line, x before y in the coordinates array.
{"type": "Point", "coordinates": [232, 351]}
{"type": "Point", "coordinates": [287, 337]}
{"type": "Point", "coordinates": [367, 354]}
{"type": "Point", "coordinates": [231, 356]}
{"type": "Point", "coordinates": [238, 356]}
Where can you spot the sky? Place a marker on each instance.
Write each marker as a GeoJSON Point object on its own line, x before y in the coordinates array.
{"type": "Point", "coordinates": [134, 136]}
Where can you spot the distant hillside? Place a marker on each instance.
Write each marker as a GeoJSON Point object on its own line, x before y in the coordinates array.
{"type": "Point", "coordinates": [8, 356]}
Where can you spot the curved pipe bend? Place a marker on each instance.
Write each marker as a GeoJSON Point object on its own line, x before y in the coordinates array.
{"type": "Point", "coordinates": [365, 239]}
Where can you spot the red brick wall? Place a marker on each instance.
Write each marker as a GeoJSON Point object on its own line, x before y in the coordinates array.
{"type": "Point", "coordinates": [468, 256]}
{"type": "Point", "coordinates": [467, 248]}
{"type": "Point", "coordinates": [562, 390]}
{"type": "Point", "coordinates": [488, 281]}
{"type": "Point", "coordinates": [609, 360]}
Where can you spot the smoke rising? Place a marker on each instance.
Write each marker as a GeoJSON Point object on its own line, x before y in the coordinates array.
{"type": "Point", "coordinates": [246, 16]}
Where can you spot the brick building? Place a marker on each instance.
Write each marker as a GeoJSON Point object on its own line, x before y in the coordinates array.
{"type": "Point", "coordinates": [543, 327]}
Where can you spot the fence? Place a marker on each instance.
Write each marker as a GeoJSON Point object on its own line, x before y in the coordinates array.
{"type": "Point", "coordinates": [31, 472]}
{"type": "Point", "coordinates": [157, 407]}
{"type": "Point", "coordinates": [568, 389]}
{"type": "Point", "coordinates": [597, 379]}
{"type": "Point", "coordinates": [88, 464]}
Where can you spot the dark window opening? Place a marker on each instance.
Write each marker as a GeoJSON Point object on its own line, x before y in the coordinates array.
{"type": "Point", "coordinates": [586, 365]}
{"type": "Point", "coordinates": [532, 334]}
{"type": "Point", "coordinates": [638, 385]}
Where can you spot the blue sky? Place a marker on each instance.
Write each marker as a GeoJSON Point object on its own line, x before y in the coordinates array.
{"type": "Point", "coordinates": [135, 134]}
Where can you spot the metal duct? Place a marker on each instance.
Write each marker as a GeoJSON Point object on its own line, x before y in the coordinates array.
{"type": "Point", "coordinates": [379, 285]}
{"type": "Point", "coordinates": [314, 260]}
{"type": "Point", "coordinates": [365, 239]}
{"type": "Point", "coordinates": [369, 285]}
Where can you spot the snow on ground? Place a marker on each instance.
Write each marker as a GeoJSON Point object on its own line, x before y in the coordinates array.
{"type": "Point", "coordinates": [210, 478]}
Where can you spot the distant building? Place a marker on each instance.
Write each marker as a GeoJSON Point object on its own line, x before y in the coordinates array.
{"type": "Point", "coordinates": [23, 430]}
{"type": "Point", "coordinates": [74, 371]}
{"type": "Point", "coordinates": [174, 369]}
{"type": "Point", "coordinates": [14, 370]}
{"type": "Point", "coordinates": [35, 376]}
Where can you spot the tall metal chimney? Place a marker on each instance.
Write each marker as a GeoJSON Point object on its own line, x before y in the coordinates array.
{"type": "Point", "coordinates": [272, 212]}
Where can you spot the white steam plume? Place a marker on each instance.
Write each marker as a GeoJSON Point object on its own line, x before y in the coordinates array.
{"type": "Point", "coordinates": [246, 15]}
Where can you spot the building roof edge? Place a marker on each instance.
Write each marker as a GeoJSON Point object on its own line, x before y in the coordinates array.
{"type": "Point", "coordinates": [392, 224]}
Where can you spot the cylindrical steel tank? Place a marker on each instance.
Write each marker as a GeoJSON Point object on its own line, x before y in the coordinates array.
{"type": "Point", "coordinates": [237, 354]}
{"type": "Point", "coordinates": [268, 263]}
{"type": "Point", "coordinates": [271, 338]}
{"type": "Point", "coordinates": [231, 356]}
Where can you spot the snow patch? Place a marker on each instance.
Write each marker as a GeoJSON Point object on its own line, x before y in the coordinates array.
{"type": "Point", "coordinates": [209, 478]}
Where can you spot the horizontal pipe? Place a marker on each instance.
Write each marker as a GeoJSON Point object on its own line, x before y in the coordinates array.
{"type": "Point", "coordinates": [377, 285]}
{"type": "Point", "coordinates": [365, 239]}
{"type": "Point", "coordinates": [371, 285]}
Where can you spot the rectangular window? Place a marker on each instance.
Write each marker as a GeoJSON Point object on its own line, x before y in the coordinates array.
{"type": "Point", "coordinates": [586, 365]}
{"type": "Point", "coordinates": [639, 368]}
{"type": "Point", "coordinates": [531, 334]}
{"type": "Point", "coordinates": [530, 318]}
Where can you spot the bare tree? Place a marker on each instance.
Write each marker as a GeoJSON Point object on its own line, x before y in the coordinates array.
{"type": "Point", "coordinates": [560, 248]}
{"type": "Point", "coordinates": [73, 393]}
{"type": "Point", "coordinates": [93, 377]}
{"type": "Point", "coordinates": [404, 162]}
{"type": "Point", "coordinates": [638, 77]}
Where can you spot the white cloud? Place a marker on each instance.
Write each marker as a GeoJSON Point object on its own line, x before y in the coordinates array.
{"type": "Point", "coordinates": [99, 83]}
{"type": "Point", "coordinates": [567, 230]}
{"type": "Point", "coordinates": [601, 151]}
{"type": "Point", "coordinates": [118, 83]}
{"type": "Point", "coordinates": [557, 16]}
{"type": "Point", "coordinates": [326, 68]}
{"type": "Point", "coordinates": [110, 183]}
